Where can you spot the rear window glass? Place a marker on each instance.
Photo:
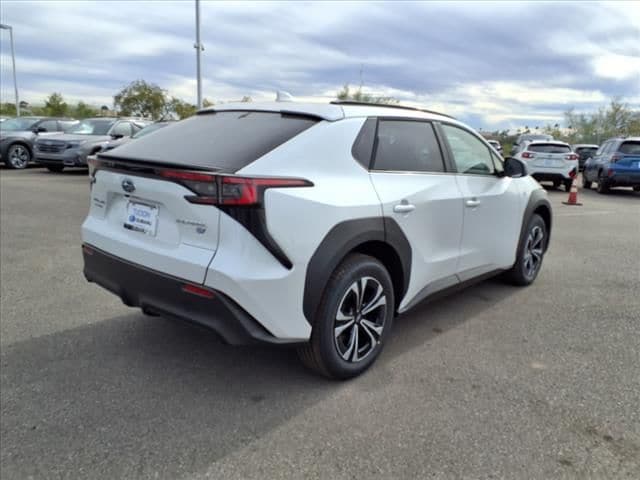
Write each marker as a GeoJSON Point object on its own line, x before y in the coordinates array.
{"type": "Point", "coordinates": [227, 141]}
{"type": "Point", "coordinates": [363, 146]}
{"type": "Point", "coordinates": [630, 148]}
{"type": "Point", "coordinates": [586, 149]}
{"type": "Point", "coordinates": [407, 146]}
{"type": "Point", "coordinates": [549, 148]}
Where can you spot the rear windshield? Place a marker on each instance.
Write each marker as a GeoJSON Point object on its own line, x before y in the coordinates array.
{"type": "Point", "coordinates": [226, 141]}
{"type": "Point", "coordinates": [630, 148]}
{"type": "Point", "coordinates": [549, 148]}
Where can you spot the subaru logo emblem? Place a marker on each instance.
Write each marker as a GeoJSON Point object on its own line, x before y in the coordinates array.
{"type": "Point", "coordinates": [128, 186]}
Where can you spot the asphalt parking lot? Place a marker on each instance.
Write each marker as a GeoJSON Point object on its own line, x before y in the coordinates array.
{"type": "Point", "coordinates": [492, 382]}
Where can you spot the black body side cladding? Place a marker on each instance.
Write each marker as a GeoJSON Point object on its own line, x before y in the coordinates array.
{"type": "Point", "coordinates": [537, 200]}
{"type": "Point", "coordinates": [342, 239]}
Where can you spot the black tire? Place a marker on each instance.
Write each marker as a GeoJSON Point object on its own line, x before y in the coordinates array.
{"type": "Point", "coordinates": [636, 188]}
{"type": "Point", "coordinates": [567, 185]}
{"type": "Point", "coordinates": [333, 355]}
{"type": "Point", "coordinates": [18, 156]}
{"type": "Point", "coordinates": [556, 183]}
{"type": "Point", "coordinates": [521, 274]}
{"type": "Point", "coordinates": [585, 183]}
{"type": "Point", "coordinates": [603, 185]}
{"type": "Point", "coordinates": [55, 168]}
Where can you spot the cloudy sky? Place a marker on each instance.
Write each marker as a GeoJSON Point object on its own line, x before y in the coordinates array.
{"type": "Point", "coordinates": [494, 65]}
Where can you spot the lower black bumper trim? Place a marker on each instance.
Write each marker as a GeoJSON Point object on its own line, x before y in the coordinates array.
{"type": "Point", "coordinates": [164, 295]}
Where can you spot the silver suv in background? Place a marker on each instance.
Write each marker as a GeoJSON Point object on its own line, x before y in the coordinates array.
{"type": "Point", "coordinates": [17, 136]}
{"type": "Point", "coordinates": [84, 139]}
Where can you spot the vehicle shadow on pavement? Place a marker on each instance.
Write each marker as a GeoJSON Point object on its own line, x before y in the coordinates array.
{"type": "Point", "coordinates": [136, 396]}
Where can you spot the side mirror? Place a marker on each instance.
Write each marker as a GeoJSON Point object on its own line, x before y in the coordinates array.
{"type": "Point", "coordinates": [115, 136]}
{"type": "Point", "coordinates": [515, 168]}
{"type": "Point", "coordinates": [39, 130]}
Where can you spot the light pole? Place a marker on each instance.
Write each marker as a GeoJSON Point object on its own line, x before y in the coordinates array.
{"type": "Point", "coordinates": [199, 48]}
{"type": "Point", "coordinates": [13, 61]}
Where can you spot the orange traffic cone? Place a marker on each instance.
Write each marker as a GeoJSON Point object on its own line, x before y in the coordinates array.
{"type": "Point", "coordinates": [573, 193]}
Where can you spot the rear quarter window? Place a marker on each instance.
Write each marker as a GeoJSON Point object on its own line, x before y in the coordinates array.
{"type": "Point", "coordinates": [225, 141]}
{"type": "Point", "coordinates": [549, 148]}
{"type": "Point", "coordinates": [630, 148]}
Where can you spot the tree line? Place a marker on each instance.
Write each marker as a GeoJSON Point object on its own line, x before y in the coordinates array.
{"type": "Point", "coordinates": [139, 98]}
{"type": "Point", "coordinates": [144, 99]}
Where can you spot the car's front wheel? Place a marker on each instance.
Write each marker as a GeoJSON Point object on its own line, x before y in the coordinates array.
{"type": "Point", "coordinates": [353, 320]}
{"type": "Point", "coordinates": [530, 253]}
{"type": "Point", "coordinates": [18, 156]}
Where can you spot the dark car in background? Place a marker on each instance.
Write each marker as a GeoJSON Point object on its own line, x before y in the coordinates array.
{"type": "Point", "coordinates": [615, 164]}
{"type": "Point", "coordinates": [84, 139]}
{"type": "Point", "coordinates": [584, 152]}
{"type": "Point", "coordinates": [525, 138]}
{"type": "Point", "coordinates": [111, 144]}
{"type": "Point", "coordinates": [17, 137]}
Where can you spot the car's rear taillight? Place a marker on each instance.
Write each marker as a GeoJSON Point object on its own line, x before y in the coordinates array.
{"type": "Point", "coordinates": [528, 155]}
{"type": "Point", "coordinates": [229, 190]}
{"type": "Point", "coordinates": [571, 156]}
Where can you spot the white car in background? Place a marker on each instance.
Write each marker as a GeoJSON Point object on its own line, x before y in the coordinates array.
{"type": "Point", "coordinates": [550, 161]}
{"type": "Point", "coordinates": [308, 224]}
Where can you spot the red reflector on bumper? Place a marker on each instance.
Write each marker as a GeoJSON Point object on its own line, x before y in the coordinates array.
{"type": "Point", "coordinates": [195, 290]}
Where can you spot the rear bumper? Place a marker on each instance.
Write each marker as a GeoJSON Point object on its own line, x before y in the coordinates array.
{"type": "Point", "coordinates": [624, 179]}
{"type": "Point", "coordinates": [551, 177]}
{"type": "Point", "coordinates": [138, 286]}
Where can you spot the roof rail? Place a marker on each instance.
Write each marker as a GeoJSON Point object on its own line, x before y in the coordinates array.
{"type": "Point", "coordinates": [388, 105]}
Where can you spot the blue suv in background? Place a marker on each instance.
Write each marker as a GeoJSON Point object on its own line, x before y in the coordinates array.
{"type": "Point", "coordinates": [615, 164]}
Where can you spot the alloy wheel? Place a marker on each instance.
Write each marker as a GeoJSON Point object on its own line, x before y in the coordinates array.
{"type": "Point", "coordinates": [18, 156]}
{"type": "Point", "coordinates": [533, 251]}
{"type": "Point", "coordinates": [360, 318]}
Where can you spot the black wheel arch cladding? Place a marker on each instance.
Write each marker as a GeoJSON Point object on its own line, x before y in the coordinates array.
{"type": "Point", "coordinates": [538, 204]}
{"type": "Point", "coordinates": [344, 238]}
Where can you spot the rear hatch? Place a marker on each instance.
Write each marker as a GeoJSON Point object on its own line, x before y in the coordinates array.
{"type": "Point", "coordinates": [155, 201]}
{"type": "Point", "coordinates": [551, 155]}
{"type": "Point", "coordinates": [627, 158]}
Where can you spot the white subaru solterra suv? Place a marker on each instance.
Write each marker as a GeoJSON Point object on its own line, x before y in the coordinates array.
{"type": "Point", "coordinates": [308, 224]}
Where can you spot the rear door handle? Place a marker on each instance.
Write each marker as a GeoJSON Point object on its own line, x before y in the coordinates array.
{"type": "Point", "coordinates": [472, 203]}
{"type": "Point", "coordinates": [404, 208]}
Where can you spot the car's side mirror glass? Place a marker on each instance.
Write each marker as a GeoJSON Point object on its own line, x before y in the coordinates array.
{"type": "Point", "coordinates": [514, 168]}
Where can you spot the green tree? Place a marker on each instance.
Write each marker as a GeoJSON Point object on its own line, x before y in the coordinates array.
{"type": "Point", "coordinates": [141, 99]}
{"type": "Point", "coordinates": [180, 108]}
{"type": "Point", "coordinates": [610, 121]}
{"type": "Point", "coordinates": [82, 110]}
{"type": "Point", "coordinates": [55, 106]}
{"type": "Point", "coordinates": [8, 109]}
{"type": "Point", "coordinates": [359, 96]}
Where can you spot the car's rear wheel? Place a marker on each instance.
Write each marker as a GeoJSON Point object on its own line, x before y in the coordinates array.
{"type": "Point", "coordinates": [585, 183]}
{"type": "Point", "coordinates": [603, 185]}
{"type": "Point", "coordinates": [353, 320]}
{"type": "Point", "coordinates": [55, 168]}
{"type": "Point", "coordinates": [18, 156]}
{"type": "Point", "coordinates": [530, 253]}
